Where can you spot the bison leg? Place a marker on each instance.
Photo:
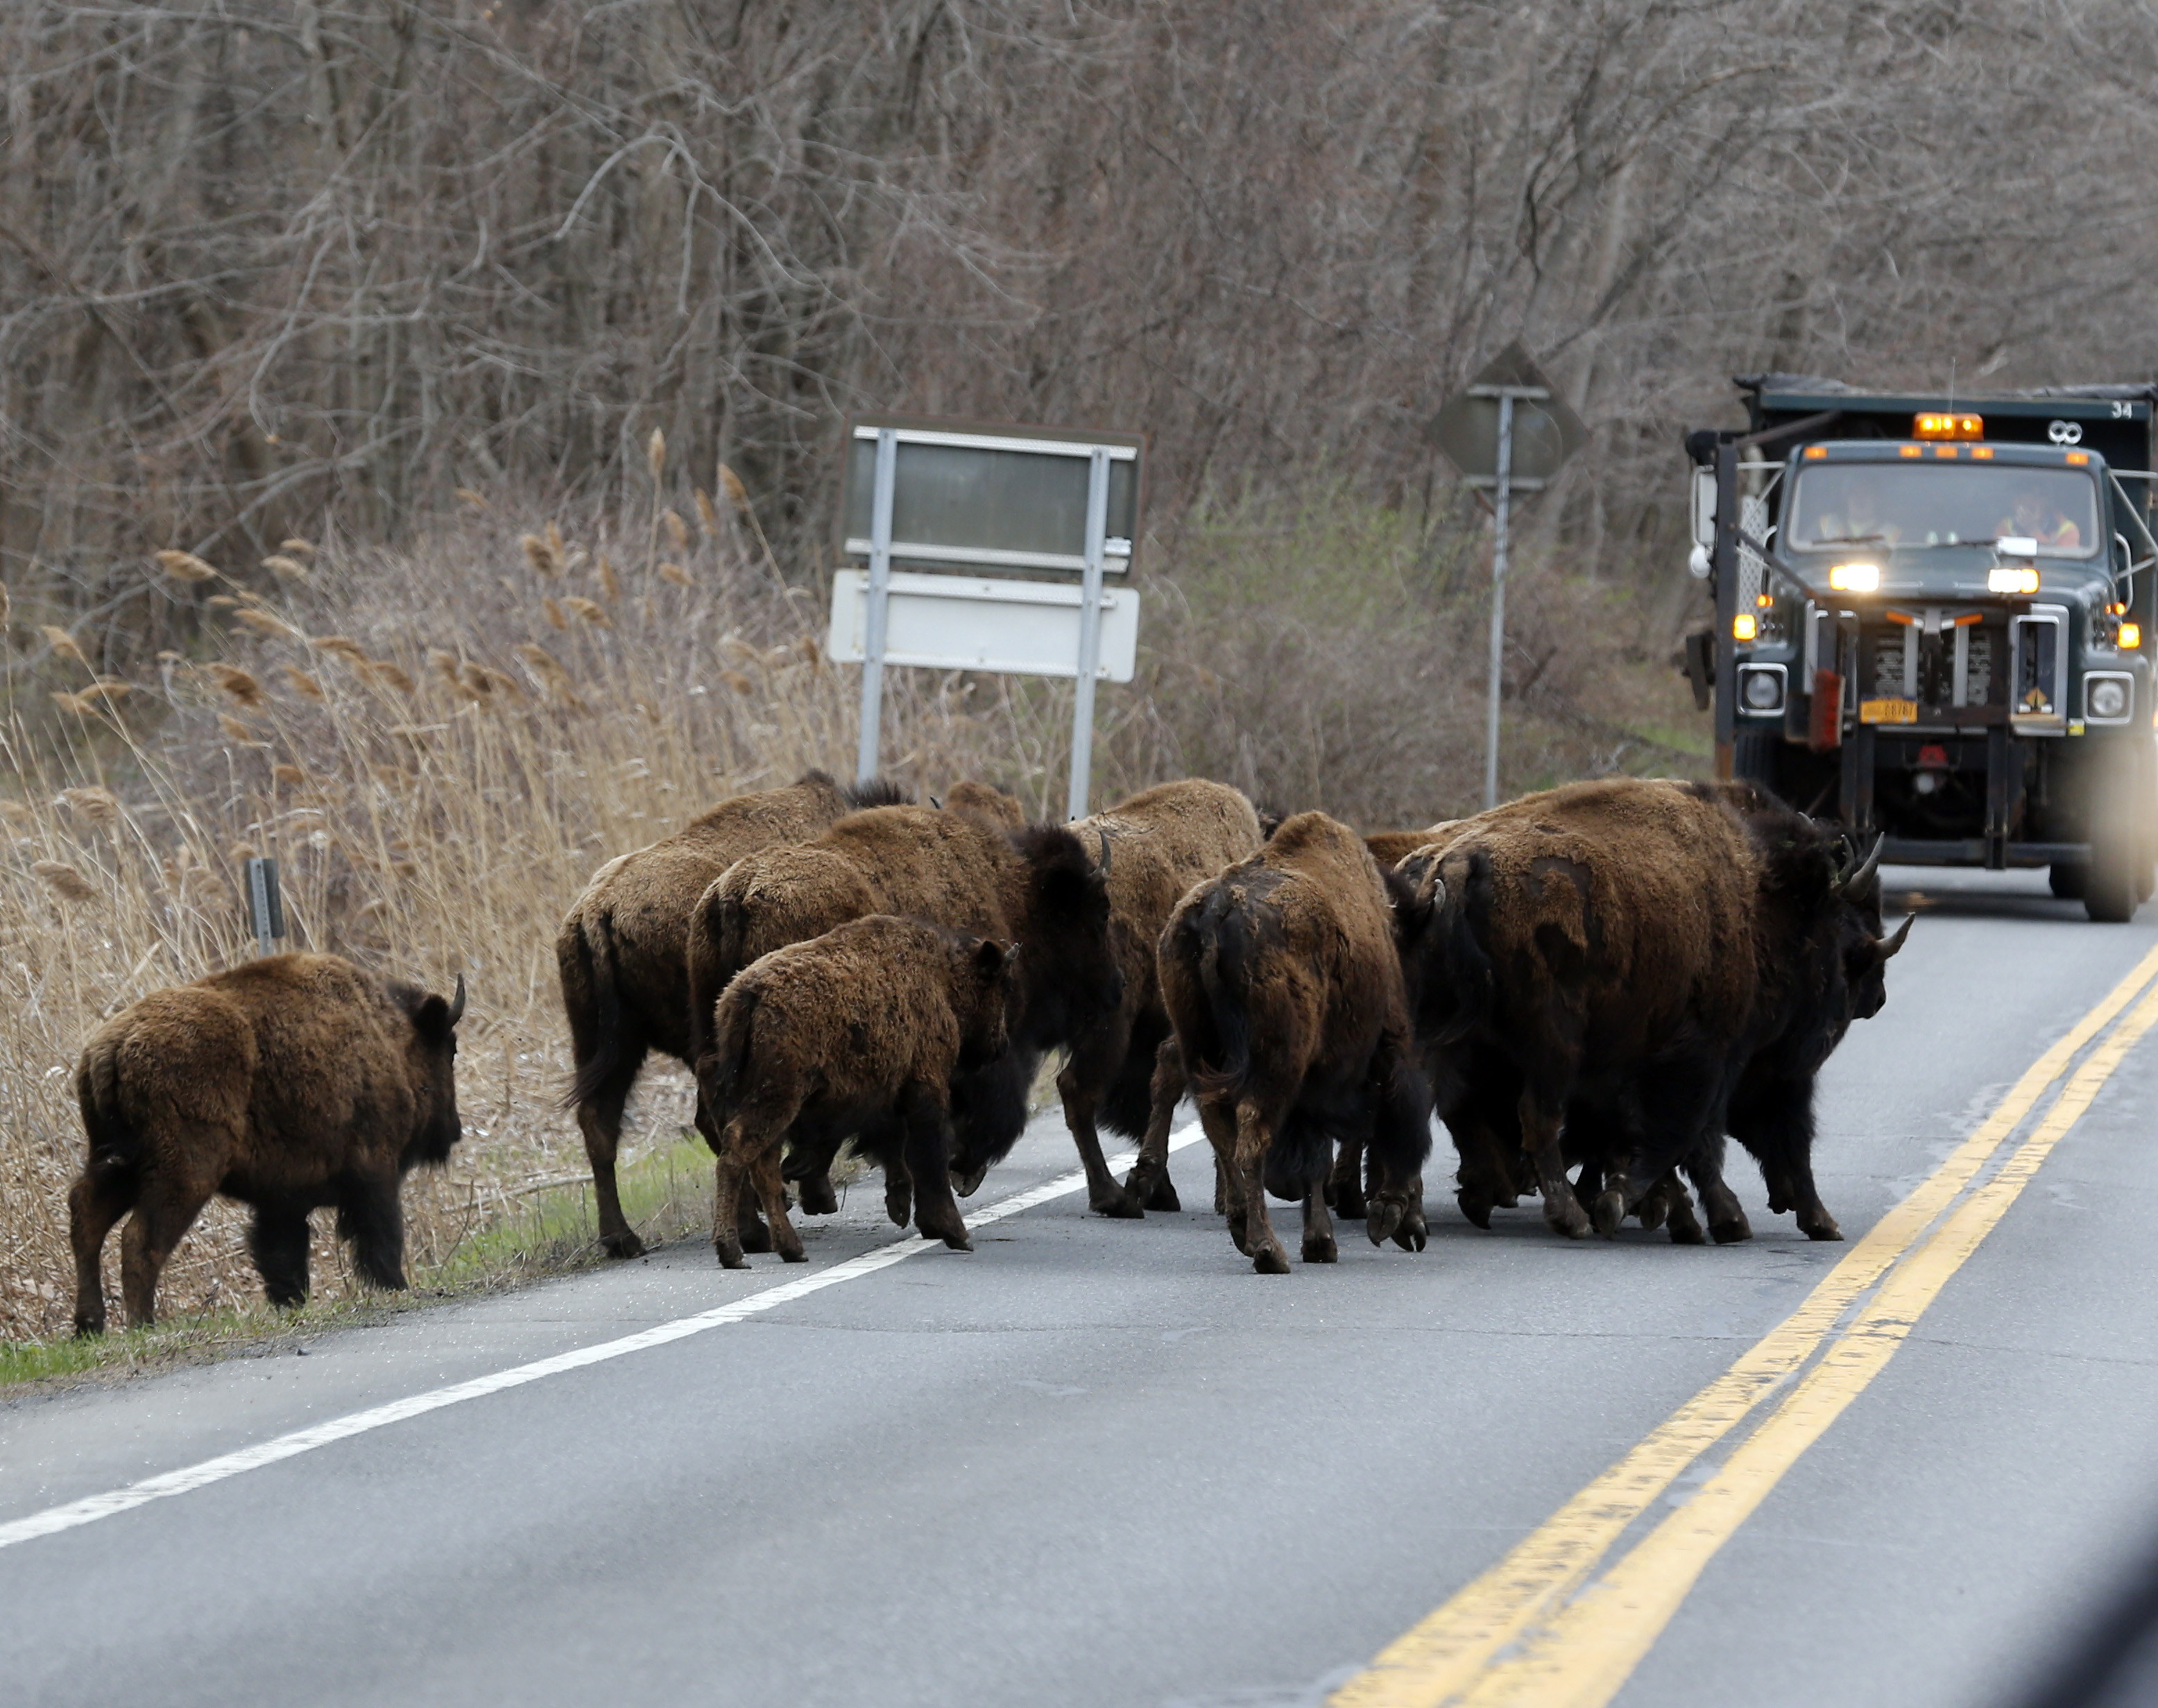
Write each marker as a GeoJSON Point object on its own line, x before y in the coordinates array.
{"type": "Point", "coordinates": [1318, 1245]}
{"type": "Point", "coordinates": [898, 1192]}
{"type": "Point", "coordinates": [929, 1160]}
{"type": "Point", "coordinates": [1684, 1226]}
{"type": "Point", "coordinates": [750, 1233]}
{"type": "Point", "coordinates": [746, 1137]}
{"type": "Point", "coordinates": [163, 1213]}
{"type": "Point", "coordinates": [1778, 1128]}
{"type": "Point", "coordinates": [98, 1200]}
{"type": "Point", "coordinates": [771, 1191]}
{"type": "Point", "coordinates": [1345, 1185]}
{"type": "Point", "coordinates": [371, 1217]}
{"type": "Point", "coordinates": [1093, 1063]}
{"type": "Point", "coordinates": [1655, 1205]}
{"type": "Point", "coordinates": [1727, 1220]}
{"type": "Point", "coordinates": [1148, 1180]}
{"type": "Point", "coordinates": [1540, 1140]}
{"type": "Point", "coordinates": [818, 1195]}
{"type": "Point", "coordinates": [277, 1241]}
{"type": "Point", "coordinates": [598, 1118]}
{"type": "Point", "coordinates": [1219, 1124]}
{"type": "Point", "coordinates": [1254, 1139]}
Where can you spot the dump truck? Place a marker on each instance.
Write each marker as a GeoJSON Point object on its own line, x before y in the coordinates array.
{"type": "Point", "coordinates": [1934, 622]}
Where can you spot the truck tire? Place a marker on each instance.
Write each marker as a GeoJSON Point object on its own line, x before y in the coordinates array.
{"type": "Point", "coordinates": [2113, 884]}
{"type": "Point", "coordinates": [1754, 756]}
{"type": "Point", "coordinates": [2068, 880]}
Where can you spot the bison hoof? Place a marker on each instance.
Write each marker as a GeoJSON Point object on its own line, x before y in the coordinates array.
{"type": "Point", "coordinates": [898, 1206]}
{"type": "Point", "coordinates": [792, 1254]}
{"type": "Point", "coordinates": [1161, 1194]}
{"type": "Point", "coordinates": [1731, 1232]}
{"type": "Point", "coordinates": [1121, 1205]}
{"type": "Point", "coordinates": [754, 1236]}
{"type": "Point", "coordinates": [817, 1196]}
{"type": "Point", "coordinates": [1609, 1212]}
{"type": "Point", "coordinates": [1824, 1230]}
{"type": "Point", "coordinates": [1381, 1222]}
{"type": "Point", "coordinates": [968, 1185]}
{"type": "Point", "coordinates": [1685, 1226]}
{"type": "Point", "coordinates": [959, 1241]}
{"type": "Point", "coordinates": [1270, 1260]}
{"type": "Point", "coordinates": [1412, 1232]}
{"type": "Point", "coordinates": [625, 1243]}
{"type": "Point", "coordinates": [1321, 1250]}
{"type": "Point", "coordinates": [1565, 1216]}
{"type": "Point", "coordinates": [1476, 1206]}
{"type": "Point", "coordinates": [85, 1327]}
{"type": "Point", "coordinates": [730, 1257]}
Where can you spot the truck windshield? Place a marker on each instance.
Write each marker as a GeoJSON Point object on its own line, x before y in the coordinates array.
{"type": "Point", "coordinates": [1839, 506]}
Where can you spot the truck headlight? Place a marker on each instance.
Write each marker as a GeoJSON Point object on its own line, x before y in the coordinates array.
{"type": "Point", "coordinates": [1761, 688]}
{"type": "Point", "coordinates": [2011, 578]}
{"type": "Point", "coordinates": [2108, 700]}
{"type": "Point", "coordinates": [1855, 578]}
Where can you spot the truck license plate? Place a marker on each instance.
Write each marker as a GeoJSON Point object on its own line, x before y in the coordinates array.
{"type": "Point", "coordinates": [1887, 711]}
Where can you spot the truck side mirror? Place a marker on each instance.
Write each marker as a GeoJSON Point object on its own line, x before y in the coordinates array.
{"type": "Point", "coordinates": [1704, 508]}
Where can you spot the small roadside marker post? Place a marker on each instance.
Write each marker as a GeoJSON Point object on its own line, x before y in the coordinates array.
{"type": "Point", "coordinates": [266, 906]}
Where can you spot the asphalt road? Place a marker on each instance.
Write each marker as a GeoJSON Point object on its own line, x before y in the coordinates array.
{"type": "Point", "coordinates": [1098, 1462]}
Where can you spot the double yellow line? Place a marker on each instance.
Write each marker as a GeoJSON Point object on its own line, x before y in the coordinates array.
{"type": "Point", "coordinates": [1523, 1632]}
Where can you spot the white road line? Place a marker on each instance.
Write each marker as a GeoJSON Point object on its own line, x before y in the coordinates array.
{"type": "Point", "coordinates": [91, 1508]}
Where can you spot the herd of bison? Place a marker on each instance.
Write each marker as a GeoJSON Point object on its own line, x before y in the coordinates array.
{"type": "Point", "coordinates": [1608, 977]}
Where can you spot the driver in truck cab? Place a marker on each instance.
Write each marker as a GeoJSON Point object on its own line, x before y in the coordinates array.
{"type": "Point", "coordinates": [1861, 521]}
{"type": "Point", "coordinates": [2036, 518]}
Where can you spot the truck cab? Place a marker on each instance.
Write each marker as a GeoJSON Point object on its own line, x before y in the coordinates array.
{"type": "Point", "coordinates": [1935, 623]}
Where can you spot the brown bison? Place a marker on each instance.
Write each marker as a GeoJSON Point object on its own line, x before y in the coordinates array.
{"type": "Point", "coordinates": [290, 1083]}
{"type": "Point", "coordinates": [621, 953]}
{"type": "Point", "coordinates": [863, 1029]}
{"type": "Point", "coordinates": [1284, 979]}
{"type": "Point", "coordinates": [1635, 969]}
{"type": "Point", "coordinates": [1037, 887]}
{"type": "Point", "coordinates": [1123, 1070]}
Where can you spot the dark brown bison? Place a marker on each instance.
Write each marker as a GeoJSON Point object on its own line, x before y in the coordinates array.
{"type": "Point", "coordinates": [291, 1083]}
{"type": "Point", "coordinates": [1038, 888]}
{"type": "Point", "coordinates": [1634, 969]}
{"type": "Point", "coordinates": [1123, 1070]}
{"type": "Point", "coordinates": [621, 952]}
{"type": "Point", "coordinates": [861, 1029]}
{"type": "Point", "coordinates": [1284, 979]}
{"type": "Point", "coordinates": [1390, 847]}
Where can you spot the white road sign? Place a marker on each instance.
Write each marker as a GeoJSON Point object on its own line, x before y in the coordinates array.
{"type": "Point", "coordinates": [966, 622]}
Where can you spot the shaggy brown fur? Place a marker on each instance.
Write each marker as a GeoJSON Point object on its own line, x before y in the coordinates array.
{"type": "Point", "coordinates": [622, 952]}
{"type": "Point", "coordinates": [1284, 981]}
{"type": "Point", "coordinates": [1038, 888]}
{"type": "Point", "coordinates": [1390, 847]}
{"type": "Point", "coordinates": [988, 802]}
{"type": "Point", "coordinates": [289, 1083]}
{"type": "Point", "coordinates": [865, 1025]}
{"type": "Point", "coordinates": [1654, 963]}
{"type": "Point", "coordinates": [1124, 1069]}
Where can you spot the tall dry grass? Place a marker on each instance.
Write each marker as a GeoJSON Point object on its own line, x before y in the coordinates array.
{"type": "Point", "coordinates": [439, 746]}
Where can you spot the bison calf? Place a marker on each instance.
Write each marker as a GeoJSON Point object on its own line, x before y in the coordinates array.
{"type": "Point", "coordinates": [1284, 979]}
{"type": "Point", "coordinates": [862, 1028]}
{"type": "Point", "coordinates": [290, 1083]}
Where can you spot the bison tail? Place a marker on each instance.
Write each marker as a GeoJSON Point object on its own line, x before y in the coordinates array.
{"type": "Point", "coordinates": [116, 1148]}
{"type": "Point", "coordinates": [718, 930]}
{"type": "Point", "coordinates": [1469, 984]}
{"type": "Point", "coordinates": [724, 1054]}
{"type": "Point", "coordinates": [1224, 974]}
{"type": "Point", "coordinates": [591, 995]}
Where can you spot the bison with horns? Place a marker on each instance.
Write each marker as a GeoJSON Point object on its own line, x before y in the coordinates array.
{"type": "Point", "coordinates": [1649, 965]}
{"type": "Point", "coordinates": [291, 1083]}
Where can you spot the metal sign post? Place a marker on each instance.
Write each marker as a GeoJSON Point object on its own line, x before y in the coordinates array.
{"type": "Point", "coordinates": [887, 465]}
{"type": "Point", "coordinates": [956, 496]}
{"type": "Point", "coordinates": [1508, 432]}
{"type": "Point", "coordinates": [1090, 635]}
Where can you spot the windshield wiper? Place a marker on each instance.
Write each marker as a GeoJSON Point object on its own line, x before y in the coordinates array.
{"type": "Point", "coordinates": [1851, 538]}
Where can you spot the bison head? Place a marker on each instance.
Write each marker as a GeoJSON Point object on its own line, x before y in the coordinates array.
{"type": "Point", "coordinates": [1069, 977]}
{"type": "Point", "coordinates": [985, 986]}
{"type": "Point", "coordinates": [431, 1056]}
{"type": "Point", "coordinates": [1866, 952]}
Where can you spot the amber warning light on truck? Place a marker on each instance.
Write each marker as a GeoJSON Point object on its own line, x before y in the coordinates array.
{"type": "Point", "coordinates": [1947, 424]}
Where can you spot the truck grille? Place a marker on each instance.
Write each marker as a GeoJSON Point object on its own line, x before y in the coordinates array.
{"type": "Point", "coordinates": [1900, 661]}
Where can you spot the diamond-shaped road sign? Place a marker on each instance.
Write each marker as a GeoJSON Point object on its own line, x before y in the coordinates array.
{"type": "Point", "coordinates": [1546, 432]}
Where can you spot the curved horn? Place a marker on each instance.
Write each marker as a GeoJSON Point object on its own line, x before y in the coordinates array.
{"type": "Point", "coordinates": [1104, 835]}
{"type": "Point", "coordinates": [457, 1002]}
{"type": "Point", "coordinates": [1887, 946]}
{"type": "Point", "coordinates": [1855, 883]}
